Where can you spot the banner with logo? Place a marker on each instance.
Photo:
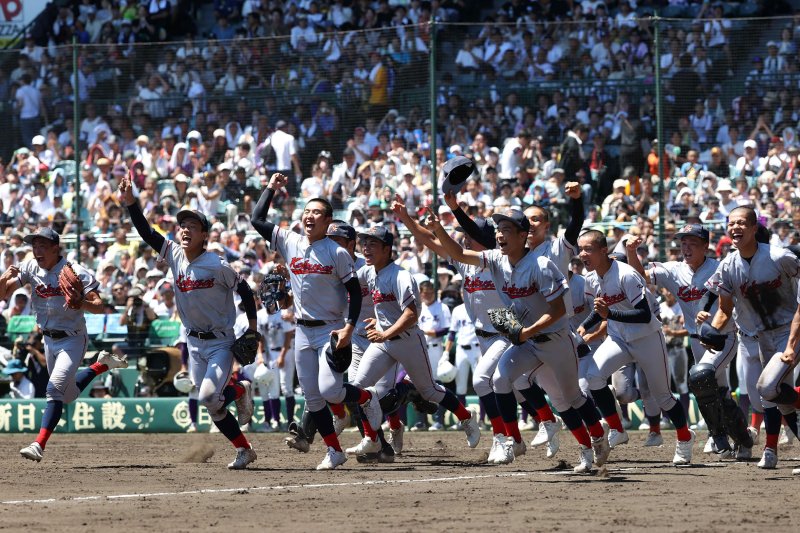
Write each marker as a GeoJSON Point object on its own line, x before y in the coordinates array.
{"type": "Point", "coordinates": [16, 14]}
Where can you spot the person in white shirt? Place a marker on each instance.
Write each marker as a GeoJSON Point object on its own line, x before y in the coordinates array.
{"type": "Point", "coordinates": [284, 147]}
{"type": "Point", "coordinates": [31, 109]}
{"type": "Point", "coordinates": [303, 35]}
{"type": "Point", "coordinates": [21, 387]}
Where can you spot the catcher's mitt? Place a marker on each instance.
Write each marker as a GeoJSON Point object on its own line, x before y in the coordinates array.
{"type": "Point", "coordinates": [506, 323]}
{"type": "Point", "coordinates": [71, 287]}
{"type": "Point", "coordinates": [245, 347]}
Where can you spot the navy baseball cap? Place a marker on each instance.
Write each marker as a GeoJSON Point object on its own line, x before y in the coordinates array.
{"type": "Point", "coordinates": [380, 233]}
{"type": "Point", "coordinates": [196, 215]}
{"type": "Point", "coordinates": [514, 216]}
{"type": "Point", "coordinates": [693, 230]}
{"type": "Point", "coordinates": [456, 172]}
{"type": "Point", "coordinates": [340, 228]}
{"type": "Point", "coordinates": [45, 233]}
{"type": "Point", "coordinates": [485, 231]}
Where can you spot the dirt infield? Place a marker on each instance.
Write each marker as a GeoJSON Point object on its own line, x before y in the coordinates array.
{"type": "Point", "coordinates": [158, 482]}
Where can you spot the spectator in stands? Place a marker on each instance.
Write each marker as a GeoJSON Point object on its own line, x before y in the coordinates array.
{"type": "Point", "coordinates": [20, 387]}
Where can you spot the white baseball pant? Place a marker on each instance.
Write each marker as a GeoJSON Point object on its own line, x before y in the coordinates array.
{"type": "Point", "coordinates": [748, 368]}
{"type": "Point", "coordinates": [466, 360]}
{"type": "Point", "coordinates": [319, 382]}
{"type": "Point", "coordinates": [776, 372]}
{"type": "Point", "coordinates": [63, 357]}
{"type": "Point", "coordinates": [492, 349]}
{"type": "Point", "coordinates": [211, 364]}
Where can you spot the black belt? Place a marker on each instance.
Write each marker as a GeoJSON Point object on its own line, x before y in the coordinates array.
{"type": "Point", "coordinates": [275, 349]}
{"type": "Point", "coordinates": [470, 346]}
{"type": "Point", "coordinates": [202, 335]}
{"type": "Point", "coordinates": [485, 334]}
{"type": "Point", "coordinates": [311, 323]}
{"type": "Point", "coordinates": [54, 334]}
{"type": "Point", "coordinates": [396, 337]}
{"type": "Point", "coordinates": [542, 337]}
{"type": "Point", "coordinates": [694, 336]}
{"type": "Point", "coordinates": [431, 345]}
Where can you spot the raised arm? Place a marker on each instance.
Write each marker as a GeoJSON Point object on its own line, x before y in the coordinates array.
{"type": "Point", "coordinates": [423, 235]}
{"type": "Point", "coordinates": [259, 218]}
{"type": "Point", "coordinates": [573, 190]}
{"type": "Point", "coordinates": [453, 249]}
{"type": "Point", "coordinates": [146, 232]}
{"type": "Point", "coordinates": [467, 224]}
{"type": "Point", "coordinates": [631, 245]}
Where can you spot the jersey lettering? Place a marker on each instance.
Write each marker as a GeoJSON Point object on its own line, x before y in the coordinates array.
{"type": "Point", "coordinates": [690, 294]}
{"type": "Point", "coordinates": [379, 297]}
{"type": "Point", "coordinates": [185, 284]}
{"type": "Point", "coordinates": [611, 299]}
{"type": "Point", "coordinates": [474, 285]}
{"type": "Point", "coordinates": [46, 291]}
{"type": "Point", "coordinates": [751, 287]}
{"type": "Point", "coordinates": [580, 309]}
{"type": "Point", "coordinates": [515, 292]}
{"type": "Point", "coordinates": [300, 266]}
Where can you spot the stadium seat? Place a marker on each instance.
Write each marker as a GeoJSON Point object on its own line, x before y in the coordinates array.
{"type": "Point", "coordinates": [164, 332]}
{"type": "Point", "coordinates": [95, 325]}
{"type": "Point", "coordinates": [20, 326]}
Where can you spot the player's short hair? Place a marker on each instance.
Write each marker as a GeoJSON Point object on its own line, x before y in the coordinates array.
{"type": "Point", "coordinates": [328, 208]}
{"type": "Point", "coordinates": [750, 214]}
{"type": "Point", "coordinates": [595, 237]}
{"type": "Point", "coordinates": [544, 211]}
{"type": "Point", "coordinates": [426, 285]}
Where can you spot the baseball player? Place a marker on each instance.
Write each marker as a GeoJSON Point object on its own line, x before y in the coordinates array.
{"type": "Point", "coordinates": [468, 349]}
{"type": "Point", "coordinates": [634, 335]}
{"type": "Point", "coordinates": [395, 336]}
{"type": "Point", "coordinates": [278, 354]}
{"type": "Point", "coordinates": [204, 299]}
{"type": "Point", "coordinates": [344, 235]}
{"type": "Point", "coordinates": [434, 321]}
{"type": "Point", "coordinates": [536, 290]}
{"type": "Point", "coordinates": [63, 327]}
{"type": "Point", "coordinates": [479, 295]}
{"type": "Point", "coordinates": [322, 277]}
{"type": "Point", "coordinates": [759, 282]}
{"type": "Point", "coordinates": [708, 378]}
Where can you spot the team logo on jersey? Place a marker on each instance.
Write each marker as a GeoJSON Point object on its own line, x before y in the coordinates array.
{"type": "Point", "coordinates": [298, 266]}
{"type": "Point", "coordinates": [690, 294]}
{"type": "Point", "coordinates": [474, 285]}
{"type": "Point", "coordinates": [579, 309]}
{"type": "Point", "coordinates": [364, 292]}
{"type": "Point", "coordinates": [611, 299]}
{"type": "Point", "coordinates": [46, 291]}
{"type": "Point", "coordinates": [185, 284]}
{"type": "Point", "coordinates": [379, 297]}
{"type": "Point", "coordinates": [751, 288]}
{"type": "Point", "coordinates": [515, 292]}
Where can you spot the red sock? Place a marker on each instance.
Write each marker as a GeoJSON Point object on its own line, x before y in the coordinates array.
{"type": "Point", "coordinates": [535, 417]}
{"type": "Point", "coordinates": [756, 419]}
{"type": "Point", "coordinates": [683, 433]}
{"type": "Point", "coordinates": [614, 422]}
{"type": "Point", "coordinates": [772, 441]}
{"type": "Point", "coordinates": [797, 401]}
{"type": "Point", "coordinates": [596, 430]}
{"type": "Point", "coordinates": [582, 436]}
{"type": "Point", "coordinates": [338, 410]}
{"type": "Point", "coordinates": [462, 412]}
{"type": "Point", "coordinates": [44, 435]}
{"type": "Point", "coordinates": [656, 428]}
{"type": "Point", "coordinates": [332, 441]}
{"type": "Point", "coordinates": [240, 441]}
{"type": "Point", "coordinates": [512, 430]}
{"type": "Point", "coordinates": [368, 431]}
{"type": "Point", "coordinates": [237, 387]}
{"type": "Point", "coordinates": [498, 426]}
{"type": "Point", "coordinates": [98, 368]}
{"type": "Point", "coordinates": [365, 397]}
{"type": "Point", "coordinates": [394, 421]}
{"type": "Point", "coordinates": [545, 414]}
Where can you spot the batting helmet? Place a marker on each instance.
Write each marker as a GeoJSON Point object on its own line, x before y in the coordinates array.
{"type": "Point", "coordinates": [264, 375]}
{"type": "Point", "coordinates": [182, 382]}
{"type": "Point", "coordinates": [445, 371]}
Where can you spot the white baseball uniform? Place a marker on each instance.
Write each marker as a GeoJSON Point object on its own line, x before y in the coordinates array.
{"type": "Point", "coordinates": [468, 349]}
{"type": "Point", "coordinates": [434, 317]}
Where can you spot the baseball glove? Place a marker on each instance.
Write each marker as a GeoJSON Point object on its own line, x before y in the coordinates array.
{"type": "Point", "coordinates": [245, 347]}
{"type": "Point", "coordinates": [71, 287]}
{"type": "Point", "coordinates": [505, 321]}
{"type": "Point", "coordinates": [711, 337]}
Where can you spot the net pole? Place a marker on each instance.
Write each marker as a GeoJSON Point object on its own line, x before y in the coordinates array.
{"type": "Point", "coordinates": [76, 199]}
{"type": "Point", "coordinates": [434, 173]}
{"type": "Point", "coordinates": [662, 252]}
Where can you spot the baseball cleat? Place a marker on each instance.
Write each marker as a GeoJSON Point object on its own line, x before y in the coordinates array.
{"type": "Point", "coordinates": [244, 456]}
{"type": "Point", "coordinates": [372, 410]}
{"type": "Point", "coordinates": [743, 453]}
{"type": "Point", "coordinates": [386, 455]}
{"type": "Point", "coordinates": [617, 438]}
{"type": "Point", "coordinates": [111, 360]}
{"type": "Point", "coordinates": [654, 439]}
{"type": "Point", "coordinates": [296, 440]}
{"type": "Point", "coordinates": [366, 445]}
{"type": "Point", "coordinates": [553, 444]}
{"type": "Point", "coordinates": [505, 453]}
{"type": "Point", "coordinates": [339, 424]}
{"type": "Point", "coordinates": [519, 448]}
{"type": "Point", "coordinates": [683, 450]}
{"type": "Point", "coordinates": [527, 425]}
{"type": "Point", "coordinates": [601, 447]}
{"type": "Point", "coordinates": [546, 431]}
{"type": "Point", "coordinates": [436, 426]}
{"type": "Point", "coordinates": [333, 458]}
{"type": "Point", "coordinates": [784, 441]}
{"type": "Point", "coordinates": [472, 429]}
{"type": "Point", "coordinates": [710, 447]}
{"type": "Point", "coordinates": [192, 428]}
{"type": "Point", "coordinates": [396, 438]}
{"type": "Point", "coordinates": [33, 452]}
{"type": "Point", "coordinates": [769, 460]}
{"type": "Point", "coordinates": [244, 404]}
{"type": "Point", "coordinates": [585, 465]}
{"type": "Point", "coordinates": [755, 433]}
{"type": "Point", "coordinates": [497, 443]}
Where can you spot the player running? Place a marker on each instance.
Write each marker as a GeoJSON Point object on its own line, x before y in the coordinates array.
{"type": "Point", "coordinates": [204, 299]}
{"type": "Point", "coordinates": [60, 317]}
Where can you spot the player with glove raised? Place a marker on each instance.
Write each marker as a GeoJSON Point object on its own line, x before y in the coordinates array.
{"type": "Point", "coordinates": [536, 290]}
{"type": "Point", "coordinates": [204, 286]}
{"type": "Point", "coordinates": [61, 293]}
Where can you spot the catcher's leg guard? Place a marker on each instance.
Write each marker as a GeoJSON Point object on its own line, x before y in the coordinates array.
{"type": "Point", "coordinates": [355, 414]}
{"type": "Point", "coordinates": [390, 402]}
{"type": "Point", "coordinates": [703, 384]}
{"type": "Point", "coordinates": [307, 428]}
{"type": "Point", "coordinates": [733, 420]}
{"type": "Point", "coordinates": [409, 391]}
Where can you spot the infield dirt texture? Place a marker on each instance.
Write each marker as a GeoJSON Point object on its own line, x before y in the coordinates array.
{"type": "Point", "coordinates": [152, 482]}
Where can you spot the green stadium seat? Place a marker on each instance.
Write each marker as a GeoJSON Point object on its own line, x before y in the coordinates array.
{"type": "Point", "coordinates": [20, 326]}
{"type": "Point", "coordinates": [164, 332]}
